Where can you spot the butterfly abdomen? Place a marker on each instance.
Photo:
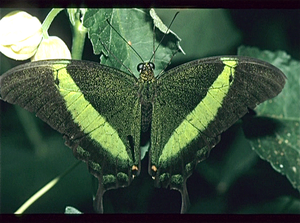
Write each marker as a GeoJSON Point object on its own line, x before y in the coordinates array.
{"type": "Point", "coordinates": [146, 116]}
{"type": "Point", "coordinates": [146, 99]}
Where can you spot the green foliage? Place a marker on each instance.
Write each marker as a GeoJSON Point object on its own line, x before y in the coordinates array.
{"type": "Point", "coordinates": [136, 27]}
{"type": "Point", "coordinates": [232, 180]}
{"type": "Point", "coordinates": [275, 132]}
{"type": "Point", "coordinates": [72, 210]}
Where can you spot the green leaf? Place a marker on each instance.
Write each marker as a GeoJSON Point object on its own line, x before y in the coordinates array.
{"type": "Point", "coordinates": [275, 133]}
{"type": "Point", "coordinates": [160, 25]}
{"type": "Point", "coordinates": [72, 210]}
{"type": "Point", "coordinates": [136, 27]}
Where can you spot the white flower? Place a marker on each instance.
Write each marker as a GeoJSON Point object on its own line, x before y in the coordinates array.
{"type": "Point", "coordinates": [52, 48]}
{"type": "Point", "coordinates": [20, 35]}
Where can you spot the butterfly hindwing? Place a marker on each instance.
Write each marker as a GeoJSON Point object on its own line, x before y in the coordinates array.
{"type": "Point", "coordinates": [95, 107]}
{"type": "Point", "coordinates": [195, 103]}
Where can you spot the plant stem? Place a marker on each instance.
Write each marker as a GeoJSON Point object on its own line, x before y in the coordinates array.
{"type": "Point", "coordinates": [79, 34]}
{"type": "Point", "coordinates": [48, 20]}
{"type": "Point", "coordinates": [45, 189]}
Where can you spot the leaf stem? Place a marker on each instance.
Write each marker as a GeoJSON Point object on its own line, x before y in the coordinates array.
{"type": "Point", "coordinates": [45, 189]}
{"type": "Point", "coordinates": [79, 34]}
{"type": "Point", "coordinates": [48, 20]}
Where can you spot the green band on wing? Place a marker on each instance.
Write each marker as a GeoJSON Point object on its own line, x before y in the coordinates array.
{"type": "Point", "coordinates": [203, 114]}
{"type": "Point", "coordinates": [83, 114]}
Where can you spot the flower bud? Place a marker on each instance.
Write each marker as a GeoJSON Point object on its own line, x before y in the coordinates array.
{"type": "Point", "coordinates": [20, 35]}
{"type": "Point", "coordinates": [52, 48]}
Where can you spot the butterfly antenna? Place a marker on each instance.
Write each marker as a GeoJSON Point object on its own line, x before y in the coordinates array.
{"type": "Point", "coordinates": [116, 58]}
{"type": "Point", "coordinates": [164, 35]}
{"type": "Point", "coordinates": [162, 71]}
{"type": "Point", "coordinates": [153, 43]}
{"type": "Point", "coordinates": [125, 41]}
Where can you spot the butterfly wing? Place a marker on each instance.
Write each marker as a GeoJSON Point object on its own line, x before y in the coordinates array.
{"type": "Point", "coordinates": [95, 108]}
{"type": "Point", "coordinates": [195, 103]}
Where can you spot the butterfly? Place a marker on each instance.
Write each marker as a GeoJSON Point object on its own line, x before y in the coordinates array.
{"type": "Point", "coordinates": [102, 112]}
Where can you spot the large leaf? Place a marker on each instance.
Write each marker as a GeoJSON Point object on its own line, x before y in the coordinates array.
{"type": "Point", "coordinates": [275, 133]}
{"type": "Point", "coordinates": [136, 27]}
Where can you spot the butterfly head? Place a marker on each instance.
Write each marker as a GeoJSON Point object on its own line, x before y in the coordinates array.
{"type": "Point", "coordinates": [146, 71]}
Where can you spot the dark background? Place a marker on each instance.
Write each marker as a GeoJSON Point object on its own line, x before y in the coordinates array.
{"type": "Point", "coordinates": [232, 180]}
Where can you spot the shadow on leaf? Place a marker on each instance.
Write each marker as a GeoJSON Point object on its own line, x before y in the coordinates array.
{"type": "Point", "coordinates": [255, 127]}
